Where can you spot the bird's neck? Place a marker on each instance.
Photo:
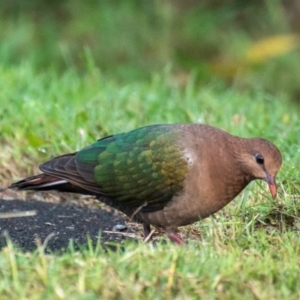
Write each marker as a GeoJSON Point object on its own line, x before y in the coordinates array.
{"type": "Point", "coordinates": [236, 177]}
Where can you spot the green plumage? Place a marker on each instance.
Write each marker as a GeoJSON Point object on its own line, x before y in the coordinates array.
{"type": "Point", "coordinates": [141, 167]}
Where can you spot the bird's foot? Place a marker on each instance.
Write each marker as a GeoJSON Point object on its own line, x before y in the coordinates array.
{"type": "Point", "coordinates": [176, 238]}
{"type": "Point", "coordinates": [147, 232]}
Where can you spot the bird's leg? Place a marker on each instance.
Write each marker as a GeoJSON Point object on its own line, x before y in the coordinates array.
{"type": "Point", "coordinates": [175, 238]}
{"type": "Point", "coordinates": [147, 232]}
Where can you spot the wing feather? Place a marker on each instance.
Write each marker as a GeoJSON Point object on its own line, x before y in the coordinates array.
{"type": "Point", "coordinates": [142, 166]}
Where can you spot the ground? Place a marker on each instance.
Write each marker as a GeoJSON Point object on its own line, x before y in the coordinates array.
{"type": "Point", "coordinates": [55, 224]}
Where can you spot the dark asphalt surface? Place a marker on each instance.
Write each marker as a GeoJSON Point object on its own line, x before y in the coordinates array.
{"type": "Point", "coordinates": [60, 223]}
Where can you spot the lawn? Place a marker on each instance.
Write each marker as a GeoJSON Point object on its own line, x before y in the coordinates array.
{"type": "Point", "coordinates": [248, 250]}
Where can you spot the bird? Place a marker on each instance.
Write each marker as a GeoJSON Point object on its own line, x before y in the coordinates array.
{"type": "Point", "coordinates": [163, 175]}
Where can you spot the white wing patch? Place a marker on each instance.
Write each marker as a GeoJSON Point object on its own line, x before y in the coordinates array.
{"type": "Point", "coordinates": [189, 157]}
{"type": "Point", "coordinates": [53, 183]}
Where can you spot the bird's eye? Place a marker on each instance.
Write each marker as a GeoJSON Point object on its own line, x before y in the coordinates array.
{"type": "Point", "coordinates": [259, 159]}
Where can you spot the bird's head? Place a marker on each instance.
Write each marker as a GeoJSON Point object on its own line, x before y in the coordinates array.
{"type": "Point", "coordinates": [263, 161]}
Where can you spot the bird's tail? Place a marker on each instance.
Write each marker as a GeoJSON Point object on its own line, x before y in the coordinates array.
{"type": "Point", "coordinates": [38, 182]}
{"type": "Point", "coordinates": [45, 182]}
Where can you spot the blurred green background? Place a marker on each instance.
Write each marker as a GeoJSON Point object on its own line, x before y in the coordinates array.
{"type": "Point", "coordinates": [245, 44]}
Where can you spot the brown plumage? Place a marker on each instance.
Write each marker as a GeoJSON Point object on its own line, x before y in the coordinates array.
{"type": "Point", "coordinates": [163, 175]}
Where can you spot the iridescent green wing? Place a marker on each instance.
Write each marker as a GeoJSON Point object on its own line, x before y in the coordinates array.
{"type": "Point", "coordinates": [144, 167]}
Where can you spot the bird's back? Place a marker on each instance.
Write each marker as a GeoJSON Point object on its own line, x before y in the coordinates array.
{"type": "Point", "coordinates": [143, 168]}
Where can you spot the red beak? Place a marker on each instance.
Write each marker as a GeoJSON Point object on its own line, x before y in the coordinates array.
{"type": "Point", "coordinates": [272, 185]}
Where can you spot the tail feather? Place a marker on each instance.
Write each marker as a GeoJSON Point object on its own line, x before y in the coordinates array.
{"type": "Point", "coordinates": [45, 182]}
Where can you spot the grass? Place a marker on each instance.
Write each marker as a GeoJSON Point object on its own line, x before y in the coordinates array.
{"type": "Point", "coordinates": [208, 269]}
{"type": "Point", "coordinates": [62, 89]}
{"type": "Point", "coordinates": [250, 249]}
